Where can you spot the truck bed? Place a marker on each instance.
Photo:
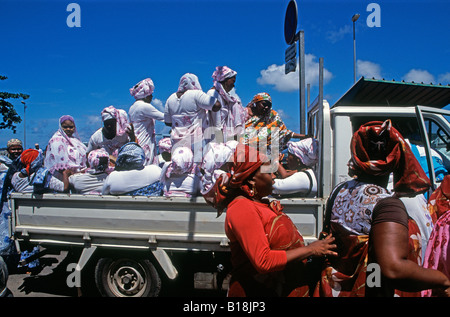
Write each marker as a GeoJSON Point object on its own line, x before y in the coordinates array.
{"type": "Point", "coordinates": [137, 221]}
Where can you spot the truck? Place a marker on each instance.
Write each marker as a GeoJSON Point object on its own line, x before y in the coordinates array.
{"type": "Point", "coordinates": [139, 244]}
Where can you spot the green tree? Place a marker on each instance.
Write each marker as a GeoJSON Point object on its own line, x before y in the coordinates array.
{"type": "Point", "coordinates": [10, 116]}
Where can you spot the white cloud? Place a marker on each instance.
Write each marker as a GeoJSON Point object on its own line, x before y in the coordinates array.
{"type": "Point", "coordinates": [419, 75]}
{"type": "Point", "coordinates": [335, 36]}
{"type": "Point", "coordinates": [444, 78]}
{"type": "Point", "coordinates": [158, 104]}
{"type": "Point", "coordinates": [275, 75]}
{"type": "Point", "coordinates": [368, 69]}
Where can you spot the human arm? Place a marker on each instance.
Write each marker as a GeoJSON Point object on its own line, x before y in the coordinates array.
{"type": "Point", "coordinates": [66, 174]}
{"type": "Point", "coordinates": [284, 173]}
{"type": "Point", "coordinates": [390, 249]}
{"type": "Point", "coordinates": [244, 220]}
{"type": "Point", "coordinates": [317, 248]}
{"type": "Point", "coordinates": [130, 131]}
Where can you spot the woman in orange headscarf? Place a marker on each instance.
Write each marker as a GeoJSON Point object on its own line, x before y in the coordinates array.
{"type": "Point", "coordinates": [266, 248]}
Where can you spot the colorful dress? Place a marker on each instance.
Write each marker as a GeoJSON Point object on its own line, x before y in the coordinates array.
{"type": "Point", "coordinates": [64, 152]}
{"type": "Point", "coordinates": [266, 130]}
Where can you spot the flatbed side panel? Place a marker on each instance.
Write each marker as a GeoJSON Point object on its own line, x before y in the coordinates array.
{"type": "Point", "coordinates": [141, 223]}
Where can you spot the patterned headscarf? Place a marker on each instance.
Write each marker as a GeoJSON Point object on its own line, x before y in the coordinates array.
{"type": "Point", "coordinates": [13, 142]}
{"type": "Point", "coordinates": [189, 82]}
{"type": "Point", "coordinates": [182, 161]}
{"type": "Point", "coordinates": [94, 161]}
{"type": "Point", "coordinates": [439, 202]}
{"type": "Point", "coordinates": [130, 157]}
{"type": "Point", "coordinates": [223, 72]}
{"type": "Point", "coordinates": [306, 150]}
{"type": "Point", "coordinates": [31, 160]}
{"type": "Point", "coordinates": [142, 89]}
{"type": "Point", "coordinates": [377, 148]}
{"type": "Point", "coordinates": [120, 115]}
{"type": "Point", "coordinates": [262, 96]}
{"type": "Point", "coordinates": [246, 161]}
{"type": "Point", "coordinates": [165, 145]}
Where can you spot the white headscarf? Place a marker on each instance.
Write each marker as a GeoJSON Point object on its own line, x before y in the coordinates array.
{"type": "Point", "coordinates": [182, 163]}
{"type": "Point", "coordinates": [189, 82]}
{"type": "Point", "coordinates": [306, 150]}
{"type": "Point", "coordinates": [217, 154]}
{"type": "Point", "coordinates": [142, 89]}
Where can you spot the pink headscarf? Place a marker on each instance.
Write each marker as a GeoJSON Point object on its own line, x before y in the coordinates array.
{"type": "Point", "coordinates": [221, 73]}
{"type": "Point", "coordinates": [189, 82]}
{"type": "Point", "coordinates": [120, 115]}
{"type": "Point", "coordinates": [142, 89]}
{"type": "Point", "coordinates": [94, 160]}
{"type": "Point", "coordinates": [165, 145]}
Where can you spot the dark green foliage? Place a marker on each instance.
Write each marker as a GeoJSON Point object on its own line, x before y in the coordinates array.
{"type": "Point", "coordinates": [10, 116]}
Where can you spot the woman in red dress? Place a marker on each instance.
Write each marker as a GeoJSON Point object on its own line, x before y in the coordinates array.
{"type": "Point", "coordinates": [268, 253]}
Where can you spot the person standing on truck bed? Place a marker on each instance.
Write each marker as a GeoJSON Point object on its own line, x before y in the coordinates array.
{"type": "Point", "coordinates": [372, 227]}
{"type": "Point", "coordinates": [228, 123]}
{"type": "Point", "coordinates": [264, 125]}
{"type": "Point", "coordinates": [65, 149]}
{"type": "Point", "coordinates": [186, 113]}
{"type": "Point", "coordinates": [143, 116]}
{"type": "Point", "coordinates": [116, 132]}
{"type": "Point", "coordinates": [299, 179]}
{"type": "Point", "coordinates": [268, 253]}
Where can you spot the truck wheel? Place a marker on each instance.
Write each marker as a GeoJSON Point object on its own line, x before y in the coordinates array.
{"type": "Point", "coordinates": [127, 278]}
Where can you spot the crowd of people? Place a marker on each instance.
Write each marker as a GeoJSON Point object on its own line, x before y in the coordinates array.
{"type": "Point", "coordinates": [123, 157]}
{"type": "Point", "coordinates": [242, 159]}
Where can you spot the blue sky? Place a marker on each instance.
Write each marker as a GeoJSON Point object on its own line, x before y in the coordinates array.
{"type": "Point", "coordinates": [81, 70]}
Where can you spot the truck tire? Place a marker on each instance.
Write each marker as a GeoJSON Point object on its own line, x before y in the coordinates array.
{"type": "Point", "coordinates": [126, 277]}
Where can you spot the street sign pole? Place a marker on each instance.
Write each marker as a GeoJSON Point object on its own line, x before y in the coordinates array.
{"type": "Point", "coordinates": [301, 62]}
{"type": "Point", "coordinates": [291, 36]}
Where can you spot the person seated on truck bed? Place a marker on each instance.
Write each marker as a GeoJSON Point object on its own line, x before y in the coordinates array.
{"type": "Point", "coordinates": [90, 181]}
{"type": "Point", "coordinates": [116, 131]}
{"type": "Point", "coordinates": [268, 253]}
{"type": "Point", "coordinates": [65, 149]}
{"type": "Point", "coordinates": [372, 226]}
{"type": "Point", "coordinates": [10, 165]}
{"type": "Point", "coordinates": [181, 176]}
{"type": "Point", "coordinates": [215, 162]}
{"type": "Point", "coordinates": [299, 179]}
{"type": "Point", "coordinates": [35, 178]}
{"type": "Point", "coordinates": [165, 151]}
{"type": "Point", "coordinates": [263, 124]}
{"type": "Point", "coordinates": [131, 176]}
